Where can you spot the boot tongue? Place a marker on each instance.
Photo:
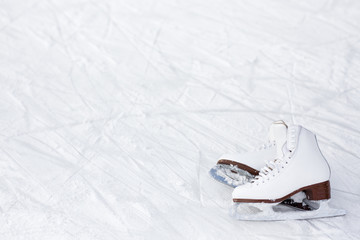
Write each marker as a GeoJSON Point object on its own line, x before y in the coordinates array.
{"type": "Point", "coordinates": [278, 134]}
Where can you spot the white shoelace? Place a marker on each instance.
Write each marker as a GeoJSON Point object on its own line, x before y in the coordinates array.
{"type": "Point", "coordinates": [266, 145]}
{"type": "Point", "coordinates": [274, 167]}
{"type": "Point", "coordinates": [271, 168]}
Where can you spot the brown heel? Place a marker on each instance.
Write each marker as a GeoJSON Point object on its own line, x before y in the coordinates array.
{"type": "Point", "coordinates": [319, 191]}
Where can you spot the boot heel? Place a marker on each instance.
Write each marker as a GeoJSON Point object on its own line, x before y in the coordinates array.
{"type": "Point", "coordinates": [319, 191]}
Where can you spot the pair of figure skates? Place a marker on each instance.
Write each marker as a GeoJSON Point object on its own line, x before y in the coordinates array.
{"type": "Point", "coordinates": [287, 173]}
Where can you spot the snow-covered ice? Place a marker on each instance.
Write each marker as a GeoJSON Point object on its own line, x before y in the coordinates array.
{"type": "Point", "coordinates": [113, 112]}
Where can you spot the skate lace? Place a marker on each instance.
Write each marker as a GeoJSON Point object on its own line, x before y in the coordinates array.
{"type": "Point", "coordinates": [273, 167]}
{"type": "Point", "coordinates": [266, 145]}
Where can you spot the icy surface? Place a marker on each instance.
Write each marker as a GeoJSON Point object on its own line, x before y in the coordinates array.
{"type": "Point", "coordinates": [113, 112]}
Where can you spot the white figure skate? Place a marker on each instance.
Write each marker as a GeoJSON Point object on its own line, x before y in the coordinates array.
{"type": "Point", "coordinates": [298, 177]}
{"type": "Point", "coordinates": [235, 169]}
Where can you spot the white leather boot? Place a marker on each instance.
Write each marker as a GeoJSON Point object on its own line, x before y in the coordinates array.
{"type": "Point", "coordinates": [300, 166]}
{"type": "Point", "coordinates": [235, 169]}
{"type": "Point", "coordinates": [299, 172]}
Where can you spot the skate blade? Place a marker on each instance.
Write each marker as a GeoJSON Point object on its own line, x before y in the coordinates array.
{"type": "Point", "coordinates": [230, 175]}
{"type": "Point", "coordinates": [281, 212]}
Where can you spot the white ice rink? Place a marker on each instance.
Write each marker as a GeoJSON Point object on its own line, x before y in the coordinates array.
{"type": "Point", "coordinates": [112, 112]}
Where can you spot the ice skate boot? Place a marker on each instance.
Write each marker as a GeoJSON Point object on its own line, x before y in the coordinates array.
{"type": "Point", "coordinates": [235, 169]}
{"type": "Point", "coordinates": [298, 176]}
